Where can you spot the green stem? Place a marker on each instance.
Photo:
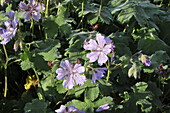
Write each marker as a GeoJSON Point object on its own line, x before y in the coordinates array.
{"type": "Point", "coordinates": [82, 11]}
{"type": "Point", "coordinates": [5, 69]}
{"type": "Point", "coordinates": [39, 82]}
{"type": "Point", "coordinates": [108, 72]}
{"type": "Point", "coordinates": [100, 8]}
{"type": "Point", "coordinates": [32, 27]}
{"type": "Point", "coordinates": [47, 8]}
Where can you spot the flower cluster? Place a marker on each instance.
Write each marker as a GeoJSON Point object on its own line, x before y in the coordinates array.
{"type": "Point", "coordinates": [72, 74]}
{"type": "Point", "coordinates": [11, 28]}
{"type": "Point", "coordinates": [69, 109]}
{"type": "Point", "coordinates": [99, 49]}
{"type": "Point", "coordinates": [32, 10]}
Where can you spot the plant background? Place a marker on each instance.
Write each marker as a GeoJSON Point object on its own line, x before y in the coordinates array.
{"type": "Point", "coordinates": [133, 25]}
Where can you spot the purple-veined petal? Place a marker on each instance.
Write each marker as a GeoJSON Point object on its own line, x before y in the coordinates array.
{"type": "Point", "coordinates": [32, 2]}
{"type": "Point", "coordinates": [10, 14]}
{"type": "Point", "coordinates": [80, 79]}
{"type": "Point", "coordinates": [69, 82]}
{"type": "Point", "coordinates": [100, 39]}
{"type": "Point", "coordinates": [103, 107]}
{"type": "Point", "coordinates": [102, 59]}
{"type": "Point", "coordinates": [61, 73]}
{"type": "Point", "coordinates": [15, 22]}
{"type": "Point", "coordinates": [108, 40]}
{"type": "Point", "coordinates": [7, 24]}
{"type": "Point", "coordinates": [2, 30]}
{"type": "Point", "coordinates": [61, 110]}
{"type": "Point", "coordinates": [40, 7]}
{"type": "Point", "coordinates": [90, 45]}
{"type": "Point", "coordinates": [6, 38]}
{"type": "Point", "coordinates": [148, 63]}
{"type": "Point", "coordinates": [72, 109]}
{"type": "Point", "coordinates": [78, 68]}
{"type": "Point", "coordinates": [13, 32]}
{"type": "Point", "coordinates": [23, 6]}
{"type": "Point", "coordinates": [66, 65]}
{"type": "Point", "coordinates": [36, 15]}
{"type": "Point", "coordinates": [107, 49]}
{"type": "Point", "coordinates": [27, 15]}
{"type": "Point", "coordinates": [93, 56]}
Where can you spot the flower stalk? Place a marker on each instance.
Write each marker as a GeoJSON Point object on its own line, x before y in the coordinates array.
{"type": "Point", "coordinates": [5, 69]}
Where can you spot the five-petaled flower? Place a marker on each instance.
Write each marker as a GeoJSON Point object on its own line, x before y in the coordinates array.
{"type": "Point", "coordinates": [71, 73]}
{"type": "Point", "coordinates": [98, 74]}
{"type": "Point", "coordinates": [32, 9]}
{"type": "Point", "coordinates": [102, 107]}
{"type": "Point", "coordinates": [11, 28]}
{"type": "Point", "coordinates": [99, 49]}
{"type": "Point", "coordinates": [69, 109]}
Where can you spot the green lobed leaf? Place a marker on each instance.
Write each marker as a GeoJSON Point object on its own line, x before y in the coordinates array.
{"type": "Point", "coordinates": [91, 93]}
{"type": "Point", "coordinates": [36, 106]}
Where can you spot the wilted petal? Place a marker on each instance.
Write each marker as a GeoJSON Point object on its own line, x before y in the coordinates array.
{"type": "Point", "coordinates": [90, 45]}
{"type": "Point", "coordinates": [61, 110]}
{"type": "Point", "coordinates": [98, 74]}
{"type": "Point", "coordinates": [80, 79]}
{"type": "Point", "coordinates": [100, 39]}
{"type": "Point", "coordinates": [27, 15]}
{"type": "Point", "coordinates": [69, 82]}
{"type": "Point", "coordinates": [102, 59]}
{"type": "Point", "coordinates": [23, 6]}
{"type": "Point", "coordinates": [36, 15]}
{"type": "Point", "coordinates": [103, 107]}
{"type": "Point", "coordinates": [93, 56]}
{"type": "Point", "coordinates": [40, 7]}
{"type": "Point", "coordinates": [78, 68]}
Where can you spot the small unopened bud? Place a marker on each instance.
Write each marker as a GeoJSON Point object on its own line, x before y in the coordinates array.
{"type": "Point", "coordinates": [21, 44]}
{"type": "Point", "coordinates": [145, 60]}
{"type": "Point", "coordinates": [16, 45]}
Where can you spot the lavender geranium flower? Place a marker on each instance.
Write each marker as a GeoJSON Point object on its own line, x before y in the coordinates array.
{"type": "Point", "coordinates": [98, 74]}
{"type": "Point", "coordinates": [11, 28]}
{"type": "Point", "coordinates": [32, 9]}
{"type": "Point", "coordinates": [103, 107]}
{"type": "Point", "coordinates": [99, 49]}
{"type": "Point", "coordinates": [145, 60]}
{"type": "Point", "coordinates": [71, 73]}
{"type": "Point", "coordinates": [69, 109]}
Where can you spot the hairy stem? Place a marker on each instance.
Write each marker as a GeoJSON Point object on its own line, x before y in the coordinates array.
{"type": "Point", "coordinates": [5, 69]}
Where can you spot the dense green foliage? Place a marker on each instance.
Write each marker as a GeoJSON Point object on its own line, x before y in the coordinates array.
{"type": "Point", "coordinates": [135, 26]}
